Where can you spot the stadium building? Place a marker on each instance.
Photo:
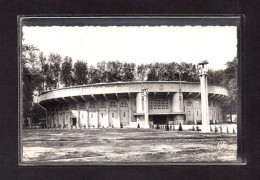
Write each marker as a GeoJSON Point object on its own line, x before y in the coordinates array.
{"type": "Point", "coordinates": [128, 104]}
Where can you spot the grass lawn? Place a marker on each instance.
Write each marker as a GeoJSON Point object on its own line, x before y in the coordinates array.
{"type": "Point", "coordinates": [121, 145]}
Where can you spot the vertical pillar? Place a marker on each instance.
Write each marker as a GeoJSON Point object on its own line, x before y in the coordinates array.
{"type": "Point", "coordinates": [130, 111]}
{"type": "Point", "coordinates": [204, 102]}
{"type": "Point", "coordinates": [97, 112]}
{"type": "Point", "coordinates": [70, 118]}
{"type": "Point", "coordinates": [87, 125]}
{"type": "Point", "coordinates": [118, 116]}
{"type": "Point", "coordinates": [194, 115]}
{"type": "Point", "coordinates": [63, 119]}
{"type": "Point", "coordinates": [177, 102]}
{"type": "Point", "coordinates": [78, 119]}
{"type": "Point", "coordinates": [107, 119]}
{"type": "Point", "coordinates": [146, 115]}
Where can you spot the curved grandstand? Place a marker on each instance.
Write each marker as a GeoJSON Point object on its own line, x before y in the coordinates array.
{"type": "Point", "coordinates": [130, 103]}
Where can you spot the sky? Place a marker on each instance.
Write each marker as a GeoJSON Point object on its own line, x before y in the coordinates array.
{"type": "Point", "coordinates": [138, 44]}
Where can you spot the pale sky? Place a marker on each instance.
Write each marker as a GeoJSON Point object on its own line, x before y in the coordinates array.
{"type": "Point", "coordinates": [138, 44]}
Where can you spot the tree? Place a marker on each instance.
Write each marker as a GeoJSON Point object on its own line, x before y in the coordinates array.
{"type": "Point", "coordinates": [43, 67]}
{"type": "Point", "coordinates": [50, 78]}
{"type": "Point", "coordinates": [128, 72]}
{"type": "Point", "coordinates": [55, 61]}
{"type": "Point", "coordinates": [230, 82]}
{"type": "Point", "coordinates": [66, 72]}
{"type": "Point", "coordinates": [93, 75]}
{"type": "Point", "coordinates": [80, 73]}
{"type": "Point", "coordinates": [215, 77]}
{"type": "Point", "coordinates": [31, 78]}
{"type": "Point", "coordinates": [101, 71]}
{"type": "Point", "coordinates": [114, 72]}
{"type": "Point", "coordinates": [141, 72]}
{"type": "Point", "coordinates": [186, 72]}
{"type": "Point", "coordinates": [152, 74]}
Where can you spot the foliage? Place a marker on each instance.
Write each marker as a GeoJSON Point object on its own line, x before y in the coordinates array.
{"type": "Point", "coordinates": [55, 70]}
{"type": "Point", "coordinates": [230, 82]}
{"type": "Point", "coordinates": [80, 73]}
{"type": "Point", "coordinates": [66, 72]}
{"type": "Point", "coordinates": [128, 72]}
{"type": "Point", "coordinates": [141, 72]}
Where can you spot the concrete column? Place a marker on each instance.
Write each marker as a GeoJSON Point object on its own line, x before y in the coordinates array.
{"type": "Point", "coordinates": [87, 125]}
{"type": "Point", "coordinates": [204, 103]}
{"type": "Point", "coordinates": [177, 102]}
{"type": "Point", "coordinates": [58, 116]}
{"type": "Point", "coordinates": [139, 108]}
{"type": "Point", "coordinates": [146, 115]}
{"type": "Point", "coordinates": [70, 119]}
{"type": "Point", "coordinates": [97, 112]}
{"type": "Point", "coordinates": [52, 119]}
{"type": "Point", "coordinates": [118, 116]}
{"type": "Point", "coordinates": [130, 111]}
{"type": "Point", "coordinates": [78, 120]}
{"type": "Point", "coordinates": [63, 119]}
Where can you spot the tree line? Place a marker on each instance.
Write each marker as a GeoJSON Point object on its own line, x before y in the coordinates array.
{"type": "Point", "coordinates": [42, 72]}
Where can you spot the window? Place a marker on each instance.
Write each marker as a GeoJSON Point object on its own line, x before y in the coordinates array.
{"type": "Point", "coordinates": [189, 103]}
{"type": "Point", "coordinates": [92, 105]}
{"type": "Point", "coordinates": [158, 103]}
{"type": "Point", "coordinates": [197, 113]}
{"type": "Point", "coordinates": [66, 107]}
{"type": "Point", "coordinates": [113, 115]}
{"type": "Point", "coordinates": [82, 105]}
{"type": "Point", "coordinates": [102, 105]}
{"type": "Point", "coordinates": [123, 104]}
{"type": "Point", "coordinates": [124, 114]}
{"type": "Point", "coordinates": [112, 104]}
{"type": "Point", "coordinates": [101, 115]}
{"type": "Point", "coordinates": [73, 106]}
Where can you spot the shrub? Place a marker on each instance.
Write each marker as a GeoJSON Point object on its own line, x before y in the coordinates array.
{"type": "Point", "coordinates": [138, 126]}
{"type": "Point", "coordinates": [180, 127]}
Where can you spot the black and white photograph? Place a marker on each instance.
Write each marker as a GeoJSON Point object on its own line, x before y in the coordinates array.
{"type": "Point", "coordinates": [120, 90]}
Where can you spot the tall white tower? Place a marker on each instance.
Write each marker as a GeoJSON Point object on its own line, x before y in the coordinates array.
{"type": "Point", "coordinates": [204, 96]}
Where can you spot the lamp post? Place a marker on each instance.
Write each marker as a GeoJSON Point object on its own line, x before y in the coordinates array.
{"type": "Point", "coordinates": [204, 96]}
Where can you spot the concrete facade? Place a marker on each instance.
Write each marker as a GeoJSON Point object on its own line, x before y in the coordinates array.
{"type": "Point", "coordinates": [128, 104]}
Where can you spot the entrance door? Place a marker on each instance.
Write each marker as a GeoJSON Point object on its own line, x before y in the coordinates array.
{"type": "Point", "coordinates": [124, 117]}
{"type": "Point", "coordinates": [112, 117]}
{"type": "Point", "coordinates": [74, 121]}
{"type": "Point", "coordinates": [158, 119]}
